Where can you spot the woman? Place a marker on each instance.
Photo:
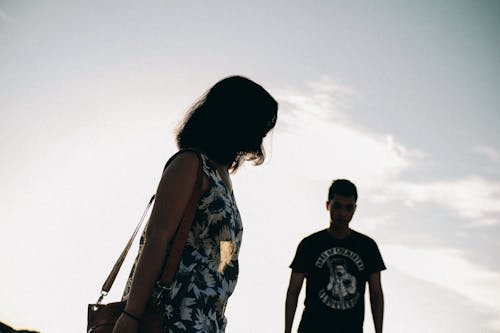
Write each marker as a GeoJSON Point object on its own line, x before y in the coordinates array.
{"type": "Point", "coordinates": [224, 128]}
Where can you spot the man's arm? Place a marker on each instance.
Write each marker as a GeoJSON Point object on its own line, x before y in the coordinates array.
{"type": "Point", "coordinates": [376, 301]}
{"type": "Point", "coordinates": [292, 296]}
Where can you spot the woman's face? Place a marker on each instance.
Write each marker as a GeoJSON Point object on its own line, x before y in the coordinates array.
{"type": "Point", "coordinates": [251, 131]}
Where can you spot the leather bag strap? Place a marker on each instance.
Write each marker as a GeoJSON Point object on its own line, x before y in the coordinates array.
{"type": "Point", "coordinates": [180, 237]}
{"type": "Point", "coordinates": [116, 268]}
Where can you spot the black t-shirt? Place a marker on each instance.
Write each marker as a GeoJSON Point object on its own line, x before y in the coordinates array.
{"type": "Point", "coordinates": [336, 274]}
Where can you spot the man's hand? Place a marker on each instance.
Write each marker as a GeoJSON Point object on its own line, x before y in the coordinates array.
{"type": "Point", "coordinates": [292, 295]}
{"type": "Point", "coordinates": [376, 301]}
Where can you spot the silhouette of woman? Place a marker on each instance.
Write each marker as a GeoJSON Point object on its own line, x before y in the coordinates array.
{"type": "Point", "coordinates": [221, 131]}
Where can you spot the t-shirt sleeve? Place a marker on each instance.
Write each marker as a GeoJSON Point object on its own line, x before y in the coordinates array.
{"type": "Point", "coordinates": [300, 262]}
{"type": "Point", "coordinates": [376, 263]}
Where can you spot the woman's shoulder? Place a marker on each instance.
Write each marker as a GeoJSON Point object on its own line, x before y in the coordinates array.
{"type": "Point", "coordinates": [183, 169]}
{"type": "Point", "coordinates": [187, 157]}
{"type": "Point", "coordinates": [191, 161]}
{"type": "Point", "coordinates": [185, 154]}
{"type": "Point", "coordinates": [184, 162]}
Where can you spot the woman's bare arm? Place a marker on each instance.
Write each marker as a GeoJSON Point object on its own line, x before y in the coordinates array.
{"type": "Point", "coordinates": [173, 193]}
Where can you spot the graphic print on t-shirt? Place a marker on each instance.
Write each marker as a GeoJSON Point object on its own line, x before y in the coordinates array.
{"type": "Point", "coordinates": [342, 266]}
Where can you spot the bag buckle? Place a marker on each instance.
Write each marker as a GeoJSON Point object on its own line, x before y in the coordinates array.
{"type": "Point", "coordinates": [99, 300]}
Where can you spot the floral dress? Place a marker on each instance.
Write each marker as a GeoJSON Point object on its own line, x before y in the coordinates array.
{"type": "Point", "coordinates": [208, 269]}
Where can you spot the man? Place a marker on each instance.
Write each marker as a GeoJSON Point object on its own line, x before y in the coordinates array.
{"type": "Point", "coordinates": [336, 263]}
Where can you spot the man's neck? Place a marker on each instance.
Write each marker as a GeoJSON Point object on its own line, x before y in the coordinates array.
{"type": "Point", "coordinates": [339, 233]}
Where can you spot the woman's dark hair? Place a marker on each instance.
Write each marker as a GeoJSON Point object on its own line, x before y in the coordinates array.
{"type": "Point", "coordinates": [229, 122]}
{"type": "Point", "coordinates": [343, 187]}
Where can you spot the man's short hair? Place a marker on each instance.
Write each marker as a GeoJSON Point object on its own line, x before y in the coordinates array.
{"type": "Point", "coordinates": [343, 187]}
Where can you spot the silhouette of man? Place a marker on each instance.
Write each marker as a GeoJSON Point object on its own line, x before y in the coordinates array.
{"type": "Point", "coordinates": [336, 263]}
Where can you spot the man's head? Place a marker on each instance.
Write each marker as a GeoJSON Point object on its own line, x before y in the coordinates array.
{"type": "Point", "coordinates": [341, 204]}
{"type": "Point", "coordinates": [343, 187]}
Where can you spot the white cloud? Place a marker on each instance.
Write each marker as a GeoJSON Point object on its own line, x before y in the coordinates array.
{"type": "Point", "coordinates": [446, 268]}
{"type": "Point", "coordinates": [473, 198]}
{"type": "Point", "coordinates": [489, 152]}
{"type": "Point", "coordinates": [319, 133]}
{"type": "Point", "coordinates": [321, 136]}
{"type": "Point", "coordinates": [327, 85]}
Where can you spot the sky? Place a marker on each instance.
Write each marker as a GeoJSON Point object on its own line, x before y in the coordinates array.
{"type": "Point", "coordinates": [401, 97]}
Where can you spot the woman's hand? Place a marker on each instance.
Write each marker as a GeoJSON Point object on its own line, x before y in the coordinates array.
{"type": "Point", "coordinates": [126, 324]}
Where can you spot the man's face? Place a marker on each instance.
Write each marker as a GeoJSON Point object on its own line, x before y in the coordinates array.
{"type": "Point", "coordinates": [339, 270]}
{"type": "Point", "coordinates": [341, 210]}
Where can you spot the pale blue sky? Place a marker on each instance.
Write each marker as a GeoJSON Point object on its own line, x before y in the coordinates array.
{"type": "Point", "coordinates": [400, 96]}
